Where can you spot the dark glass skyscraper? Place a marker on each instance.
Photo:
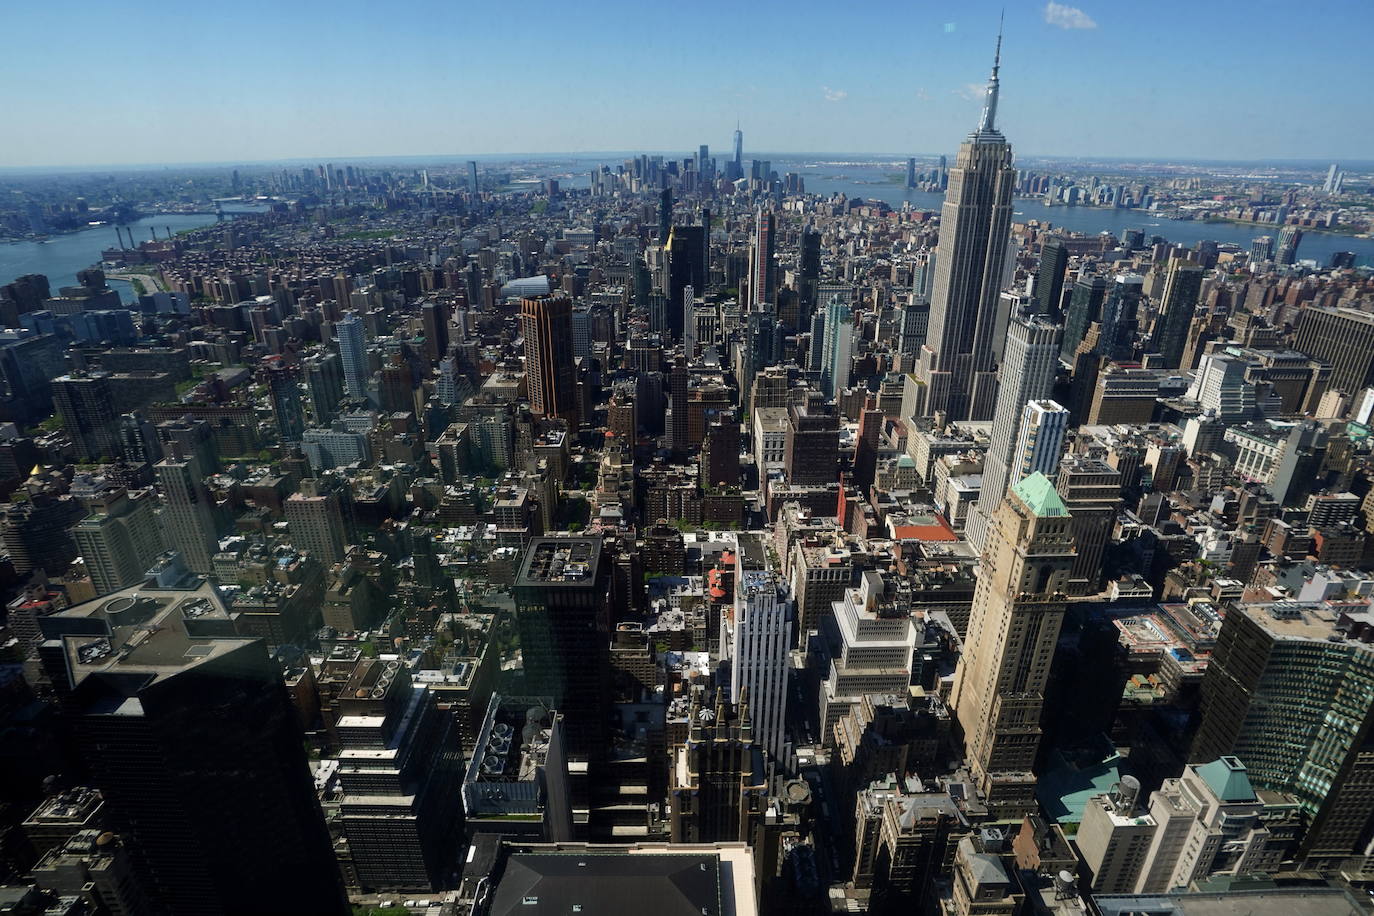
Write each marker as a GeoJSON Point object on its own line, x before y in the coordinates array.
{"type": "Point", "coordinates": [1085, 307]}
{"type": "Point", "coordinates": [1120, 317]}
{"type": "Point", "coordinates": [686, 249]}
{"type": "Point", "coordinates": [564, 620]}
{"type": "Point", "coordinates": [665, 214]}
{"type": "Point", "coordinates": [1181, 290]}
{"type": "Point", "coordinates": [808, 273]}
{"type": "Point", "coordinates": [282, 382]}
{"type": "Point", "coordinates": [188, 732]}
{"type": "Point", "coordinates": [85, 405]}
{"type": "Point", "coordinates": [1049, 279]}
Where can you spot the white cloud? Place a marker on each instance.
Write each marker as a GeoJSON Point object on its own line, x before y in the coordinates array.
{"type": "Point", "coordinates": [1067, 17]}
{"type": "Point", "coordinates": [922, 95]}
{"type": "Point", "coordinates": [970, 92]}
{"type": "Point", "coordinates": [834, 95]}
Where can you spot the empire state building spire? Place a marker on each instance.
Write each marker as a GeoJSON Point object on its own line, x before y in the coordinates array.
{"type": "Point", "coordinates": [988, 124]}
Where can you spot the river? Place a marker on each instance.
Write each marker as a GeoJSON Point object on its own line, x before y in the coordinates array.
{"type": "Point", "coordinates": [61, 256]}
{"type": "Point", "coordinates": [867, 182]}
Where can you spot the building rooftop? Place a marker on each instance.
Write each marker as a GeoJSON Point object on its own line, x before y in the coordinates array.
{"type": "Point", "coordinates": [1227, 779]}
{"type": "Point", "coordinates": [1310, 901]}
{"type": "Point", "coordinates": [1040, 496]}
{"type": "Point", "coordinates": [74, 806]}
{"type": "Point", "coordinates": [144, 630]}
{"type": "Point", "coordinates": [690, 880]}
{"type": "Point", "coordinates": [560, 562]}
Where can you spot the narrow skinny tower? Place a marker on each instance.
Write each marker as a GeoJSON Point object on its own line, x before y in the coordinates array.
{"type": "Point", "coordinates": [956, 362]}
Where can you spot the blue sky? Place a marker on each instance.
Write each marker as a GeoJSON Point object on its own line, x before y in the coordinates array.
{"type": "Point", "coordinates": [89, 81]}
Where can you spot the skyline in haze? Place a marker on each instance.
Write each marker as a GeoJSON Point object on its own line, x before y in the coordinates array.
{"type": "Point", "coordinates": [255, 83]}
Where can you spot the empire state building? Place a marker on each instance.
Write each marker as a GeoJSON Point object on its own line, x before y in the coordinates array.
{"type": "Point", "coordinates": [956, 363]}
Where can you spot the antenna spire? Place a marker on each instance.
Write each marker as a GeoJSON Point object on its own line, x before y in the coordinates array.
{"type": "Point", "coordinates": [997, 57]}
{"type": "Point", "coordinates": [989, 120]}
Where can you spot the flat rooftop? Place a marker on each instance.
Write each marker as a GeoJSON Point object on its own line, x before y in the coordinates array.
{"type": "Point", "coordinates": [140, 630]}
{"type": "Point", "coordinates": [566, 562]}
{"type": "Point", "coordinates": [695, 882]}
{"type": "Point", "coordinates": [1315, 901]}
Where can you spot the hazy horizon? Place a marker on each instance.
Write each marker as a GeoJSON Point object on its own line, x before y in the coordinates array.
{"type": "Point", "coordinates": [190, 84]}
{"type": "Point", "coordinates": [719, 153]}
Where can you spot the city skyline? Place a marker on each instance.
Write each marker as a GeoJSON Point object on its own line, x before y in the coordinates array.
{"type": "Point", "coordinates": [258, 104]}
{"type": "Point", "coordinates": [756, 534]}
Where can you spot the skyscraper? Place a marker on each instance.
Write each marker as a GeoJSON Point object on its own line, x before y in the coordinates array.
{"type": "Point", "coordinates": [1039, 440]}
{"type": "Point", "coordinates": [910, 173]}
{"type": "Point", "coordinates": [1343, 337]}
{"type": "Point", "coordinates": [120, 539]}
{"type": "Point", "coordinates": [1287, 691]}
{"type": "Point", "coordinates": [325, 382]}
{"type": "Point", "coordinates": [348, 332]}
{"type": "Point", "coordinates": [85, 405]}
{"type": "Point", "coordinates": [686, 254]}
{"type": "Point", "coordinates": [400, 773]}
{"type": "Point", "coordinates": [808, 273]}
{"type": "Point", "coordinates": [190, 519]}
{"type": "Point", "coordinates": [35, 531]}
{"type": "Point", "coordinates": [915, 326]}
{"type": "Point", "coordinates": [1085, 307]}
{"type": "Point", "coordinates": [738, 171]}
{"type": "Point", "coordinates": [561, 602]}
{"type": "Point", "coordinates": [1018, 607]}
{"type": "Point", "coordinates": [1049, 278]}
{"type": "Point", "coordinates": [815, 354]}
{"type": "Point", "coordinates": [1289, 239]}
{"type": "Point", "coordinates": [283, 384]}
{"type": "Point", "coordinates": [679, 379]}
{"type": "Point", "coordinates": [839, 346]}
{"type": "Point", "coordinates": [319, 519]}
{"type": "Point", "coordinates": [719, 778]}
{"type": "Point", "coordinates": [1181, 290]}
{"type": "Point", "coordinates": [191, 738]}
{"type": "Point", "coordinates": [1261, 249]}
{"type": "Point", "coordinates": [546, 323]}
{"type": "Point", "coordinates": [975, 225]}
{"type": "Point", "coordinates": [665, 214]}
{"type": "Point", "coordinates": [874, 638]}
{"type": "Point", "coordinates": [811, 449]}
{"type": "Point", "coordinates": [1026, 374]}
{"type": "Point", "coordinates": [1121, 317]}
{"type": "Point", "coordinates": [434, 318]}
{"type": "Point", "coordinates": [1091, 489]}
{"type": "Point", "coordinates": [763, 281]}
{"type": "Point", "coordinates": [759, 649]}
{"type": "Point", "coordinates": [138, 439]}
{"type": "Point", "coordinates": [472, 176]}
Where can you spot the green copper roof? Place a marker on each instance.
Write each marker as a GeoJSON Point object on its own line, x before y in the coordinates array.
{"type": "Point", "coordinates": [1039, 495]}
{"type": "Point", "coordinates": [1227, 778]}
